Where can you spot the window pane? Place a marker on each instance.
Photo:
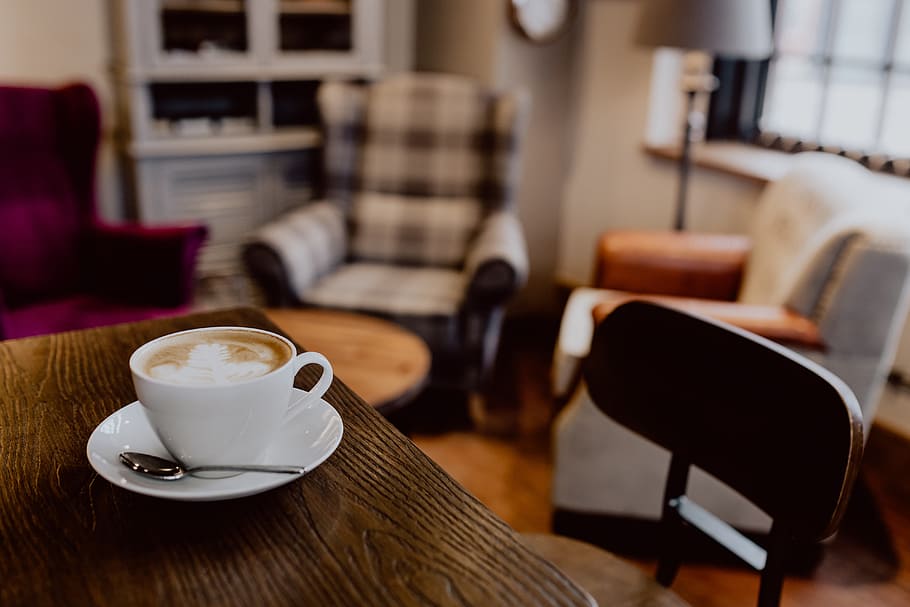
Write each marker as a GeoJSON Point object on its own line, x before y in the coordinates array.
{"type": "Point", "coordinates": [852, 108]}
{"type": "Point", "coordinates": [862, 30]}
{"type": "Point", "coordinates": [799, 26]}
{"type": "Point", "coordinates": [902, 49]}
{"type": "Point", "coordinates": [896, 128]}
{"type": "Point", "coordinates": [794, 97]}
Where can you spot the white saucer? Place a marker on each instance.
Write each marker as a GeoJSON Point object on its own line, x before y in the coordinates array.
{"type": "Point", "coordinates": [307, 441]}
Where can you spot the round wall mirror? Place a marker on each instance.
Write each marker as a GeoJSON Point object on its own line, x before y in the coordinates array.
{"type": "Point", "coordinates": [541, 21]}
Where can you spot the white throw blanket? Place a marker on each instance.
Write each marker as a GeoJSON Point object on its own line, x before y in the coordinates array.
{"type": "Point", "coordinates": [804, 218]}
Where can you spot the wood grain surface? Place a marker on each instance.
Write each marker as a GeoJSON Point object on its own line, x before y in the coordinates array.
{"type": "Point", "coordinates": [384, 363]}
{"type": "Point", "coordinates": [377, 524]}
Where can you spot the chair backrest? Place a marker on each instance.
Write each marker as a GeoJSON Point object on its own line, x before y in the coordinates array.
{"type": "Point", "coordinates": [48, 145]}
{"type": "Point", "coordinates": [418, 160]}
{"type": "Point", "coordinates": [774, 426]}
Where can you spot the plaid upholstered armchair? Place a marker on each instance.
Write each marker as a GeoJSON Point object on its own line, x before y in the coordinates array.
{"type": "Point", "coordinates": [417, 224]}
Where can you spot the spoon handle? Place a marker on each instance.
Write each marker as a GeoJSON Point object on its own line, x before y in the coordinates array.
{"type": "Point", "coordinates": [256, 468]}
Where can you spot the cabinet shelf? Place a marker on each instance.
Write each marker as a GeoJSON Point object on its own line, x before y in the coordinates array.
{"type": "Point", "coordinates": [315, 7]}
{"type": "Point", "coordinates": [319, 66]}
{"type": "Point", "coordinates": [221, 145]}
{"type": "Point", "coordinates": [204, 6]}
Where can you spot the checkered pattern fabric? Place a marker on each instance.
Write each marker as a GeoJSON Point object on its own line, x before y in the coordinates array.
{"type": "Point", "coordinates": [396, 290]}
{"type": "Point", "coordinates": [400, 152]}
{"type": "Point", "coordinates": [310, 242]}
{"type": "Point", "coordinates": [414, 229]}
{"type": "Point", "coordinates": [426, 300]}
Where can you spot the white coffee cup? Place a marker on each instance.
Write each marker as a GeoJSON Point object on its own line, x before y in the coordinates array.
{"type": "Point", "coordinates": [213, 409]}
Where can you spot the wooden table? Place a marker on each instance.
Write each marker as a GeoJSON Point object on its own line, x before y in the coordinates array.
{"type": "Point", "coordinates": [377, 524]}
{"type": "Point", "coordinates": [385, 364]}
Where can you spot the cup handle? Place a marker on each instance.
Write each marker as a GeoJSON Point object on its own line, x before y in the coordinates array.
{"type": "Point", "coordinates": [314, 358]}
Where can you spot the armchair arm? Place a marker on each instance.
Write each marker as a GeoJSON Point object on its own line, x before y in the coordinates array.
{"type": "Point", "coordinates": [776, 323]}
{"type": "Point", "coordinates": [497, 260]}
{"type": "Point", "coordinates": [289, 254]}
{"type": "Point", "coordinates": [148, 265]}
{"type": "Point", "coordinates": [685, 264]}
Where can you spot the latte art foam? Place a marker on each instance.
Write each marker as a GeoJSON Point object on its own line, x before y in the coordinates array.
{"type": "Point", "coordinates": [214, 357]}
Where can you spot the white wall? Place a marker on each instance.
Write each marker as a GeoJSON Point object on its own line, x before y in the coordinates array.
{"type": "Point", "coordinates": [399, 35]}
{"type": "Point", "coordinates": [50, 42]}
{"type": "Point", "coordinates": [546, 72]}
{"type": "Point", "coordinates": [613, 183]}
{"type": "Point", "coordinates": [459, 37]}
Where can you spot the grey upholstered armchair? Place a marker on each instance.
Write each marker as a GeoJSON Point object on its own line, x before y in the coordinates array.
{"type": "Point", "coordinates": [826, 272]}
{"type": "Point", "coordinates": [417, 224]}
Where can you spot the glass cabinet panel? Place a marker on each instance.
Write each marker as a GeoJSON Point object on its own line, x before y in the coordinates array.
{"type": "Point", "coordinates": [294, 103]}
{"type": "Point", "coordinates": [203, 27]}
{"type": "Point", "coordinates": [200, 109]}
{"type": "Point", "coordinates": [315, 25]}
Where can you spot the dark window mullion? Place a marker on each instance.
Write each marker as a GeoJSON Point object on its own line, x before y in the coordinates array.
{"type": "Point", "coordinates": [776, 54]}
{"type": "Point", "coordinates": [888, 71]}
{"type": "Point", "coordinates": [827, 57]}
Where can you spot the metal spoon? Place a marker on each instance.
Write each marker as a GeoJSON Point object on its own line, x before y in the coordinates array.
{"type": "Point", "coordinates": [166, 470]}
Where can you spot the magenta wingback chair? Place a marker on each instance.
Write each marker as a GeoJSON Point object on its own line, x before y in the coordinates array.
{"type": "Point", "coordinates": [61, 267]}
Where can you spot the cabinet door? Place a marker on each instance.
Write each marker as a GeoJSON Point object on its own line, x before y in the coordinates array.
{"type": "Point", "coordinates": [224, 193]}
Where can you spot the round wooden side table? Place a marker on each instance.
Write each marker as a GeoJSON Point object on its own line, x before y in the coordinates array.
{"type": "Point", "coordinates": [384, 363]}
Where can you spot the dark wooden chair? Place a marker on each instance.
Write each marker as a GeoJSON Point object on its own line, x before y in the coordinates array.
{"type": "Point", "coordinates": [774, 426]}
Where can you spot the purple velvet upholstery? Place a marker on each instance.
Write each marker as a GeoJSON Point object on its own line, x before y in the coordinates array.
{"type": "Point", "coordinates": [74, 312]}
{"type": "Point", "coordinates": [60, 266]}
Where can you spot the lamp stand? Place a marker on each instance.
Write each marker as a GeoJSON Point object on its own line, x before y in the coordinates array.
{"type": "Point", "coordinates": [692, 85]}
{"type": "Point", "coordinates": [685, 163]}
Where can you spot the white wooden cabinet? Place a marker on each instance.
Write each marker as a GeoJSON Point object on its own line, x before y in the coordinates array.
{"type": "Point", "coordinates": [216, 104]}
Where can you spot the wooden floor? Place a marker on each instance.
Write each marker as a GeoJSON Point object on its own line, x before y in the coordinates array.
{"type": "Point", "coordinates": [868, 563]}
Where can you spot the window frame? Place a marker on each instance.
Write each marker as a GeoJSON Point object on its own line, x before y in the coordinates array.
{"type": "Point", "coordinates": [735, 108]}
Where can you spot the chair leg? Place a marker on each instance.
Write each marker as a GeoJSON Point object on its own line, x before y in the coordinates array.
{"type": "Point", "coordinates": [772, 576]}
{"type": "Point", "coordinates": [672, 526]}
{"type": "Point", "coordinates": [670, 552]}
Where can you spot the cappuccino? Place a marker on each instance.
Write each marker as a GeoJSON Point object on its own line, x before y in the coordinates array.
{"type": "Point", "coordinates": [213, 357]}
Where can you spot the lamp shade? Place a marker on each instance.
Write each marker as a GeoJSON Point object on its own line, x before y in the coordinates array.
{"type": "Point", "coordinates": [729, 28]}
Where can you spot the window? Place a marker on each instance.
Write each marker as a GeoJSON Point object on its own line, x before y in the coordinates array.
{"type": "Point", "coordinates": [840, 75]}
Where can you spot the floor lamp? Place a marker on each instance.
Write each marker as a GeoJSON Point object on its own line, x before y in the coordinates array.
{"type": "Point", "coordinates": [736, 29]}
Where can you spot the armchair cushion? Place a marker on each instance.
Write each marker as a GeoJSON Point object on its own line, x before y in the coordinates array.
{"type": "Point", "coordinates": [426, 300]}
{"type": "Point", "coordinates": [672, 263]}
{"type": "Point", "coordinates": [417, 162]}
{"type": "Point", "coordinates": [390, 289]}
{"type": "Point", "coordinates": [143, 265]}
{"type": "Point", "coordinates": [440, 135]}
{"type": "Point", "coordinates": [413, 229]}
